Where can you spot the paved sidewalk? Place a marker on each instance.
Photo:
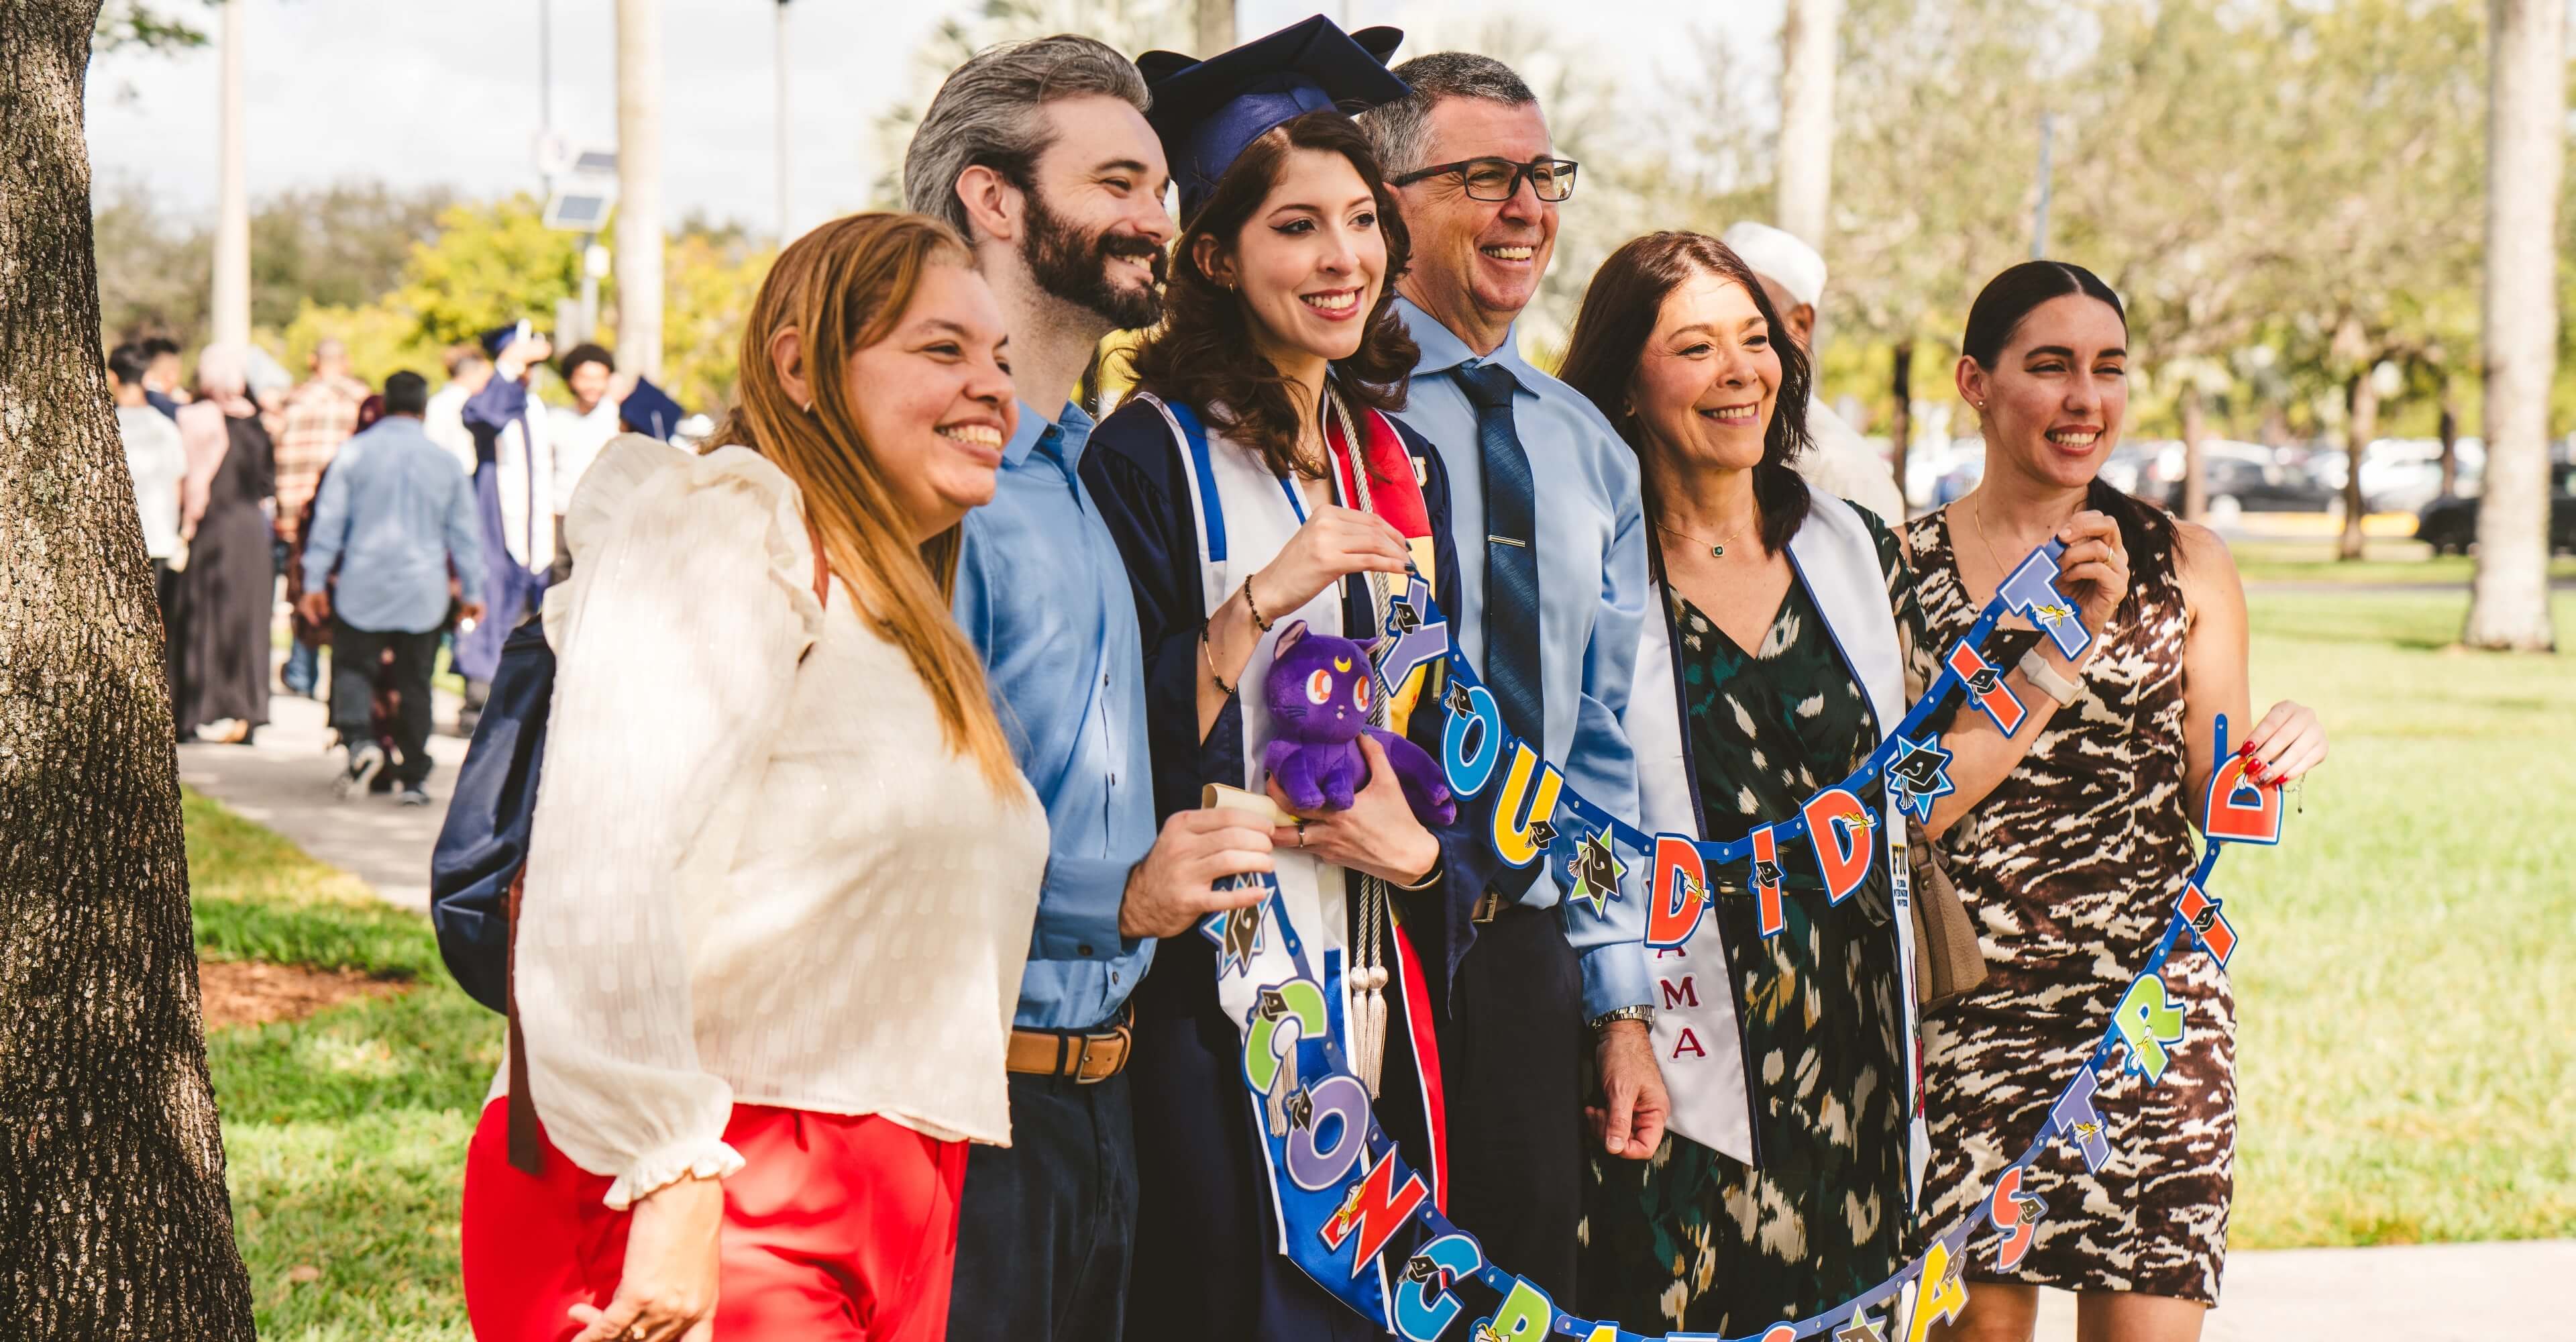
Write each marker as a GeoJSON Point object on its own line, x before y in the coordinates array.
{"type": "Point", "coordinates": [283, 781]}
{"type": "Point", "coordinates": [2419, 1293]}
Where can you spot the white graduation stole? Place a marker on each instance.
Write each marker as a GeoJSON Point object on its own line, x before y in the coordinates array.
{"type": "Point", "coordinates": [1697, 1037]}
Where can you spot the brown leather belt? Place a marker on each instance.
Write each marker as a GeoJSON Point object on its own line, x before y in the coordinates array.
{"type": "Point", "coordinates": [1087, 1056]}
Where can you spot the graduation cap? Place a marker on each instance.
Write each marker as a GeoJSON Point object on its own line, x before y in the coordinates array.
{"type": "Point", "coordinates": [500, 338]}
{"type": "Point", "coordinates": [650, 410]}
{"type": "Point", "coordinates": [1207, 112]}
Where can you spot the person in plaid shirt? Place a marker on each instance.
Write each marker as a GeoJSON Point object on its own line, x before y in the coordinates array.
{"type": "Point", "coordinates": [320, 415]}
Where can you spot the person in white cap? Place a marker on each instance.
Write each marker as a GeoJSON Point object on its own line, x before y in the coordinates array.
{"type": "Point", "coordinates": [1841, 462]}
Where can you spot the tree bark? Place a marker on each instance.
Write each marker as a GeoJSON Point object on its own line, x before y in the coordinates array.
{"type": "Point", "coordinates": [2195, 474]}
{"type": "Point", "coordinates": [113, 1216]}
{"type": "Point", "coordinates": [1806, 168]}
{"type": "Point", "coordinates": [2361, 398]}
{"type": "Point", "coordinates": [639, 187]}
{"type": "Point", "coordinates": [2526, 157]}
{"type": "Point", "coordinates": [1900, 428]}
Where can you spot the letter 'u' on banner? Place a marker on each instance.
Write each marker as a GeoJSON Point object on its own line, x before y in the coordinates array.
{"type": "Point", "coordinates": [1522, 808]}
{"type": "Point", "coordinates": [1838, 828]}
{"type": "Point", "coordinates": [1681, 883]}
{"type": "Point", "coordinates": [1766, 880]}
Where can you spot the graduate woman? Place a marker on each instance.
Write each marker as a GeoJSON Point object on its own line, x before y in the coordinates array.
{"type": "Point", "coordinates": [1772, 663]}
{"type": "Point", "coordinates": [1254, 482]}
{"type": "Point", "coordinates": [783, 869]}
{"type": "Point", "coordinates": [2073, 865]}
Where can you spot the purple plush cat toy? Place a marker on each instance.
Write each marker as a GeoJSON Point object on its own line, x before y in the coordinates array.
{"type": "Point", "coordinates": [1318, 690]}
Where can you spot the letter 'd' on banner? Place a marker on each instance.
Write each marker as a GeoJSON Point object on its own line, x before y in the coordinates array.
{"type": "Point", "coordinates": [1680, 892]}
{"type": "Point", "coordinates": [1839, 828]}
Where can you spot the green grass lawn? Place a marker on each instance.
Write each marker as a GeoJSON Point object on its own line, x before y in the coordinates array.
{"type": "Point", "coordinates": [345, 1133]}
{"type": "Point", "coordinates": [2408, 973]}
{"type": "Point", "coordinates": [2406, 985]}
{"type": "Point", "coordinates": [2384, 562]}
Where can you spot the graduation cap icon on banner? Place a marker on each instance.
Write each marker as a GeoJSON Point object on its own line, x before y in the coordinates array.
{"type": "Point", "coordinates": [1237, 934]}
{"type": "Point", "coordinates": [1207, 112]}
{"type": "Point", "coordinates": [1922, 773]}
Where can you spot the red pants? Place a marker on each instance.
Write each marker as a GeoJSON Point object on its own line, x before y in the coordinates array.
{"type": "Point", "coordinates": [835, 1228]}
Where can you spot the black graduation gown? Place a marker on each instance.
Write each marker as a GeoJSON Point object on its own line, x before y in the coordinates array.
{"type": "Point", "coordinates": [1206, 1234]}
{"type": "Point", "coordinates": [229, 589]}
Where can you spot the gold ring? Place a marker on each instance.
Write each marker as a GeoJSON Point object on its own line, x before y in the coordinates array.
{"type": "Point", "coordinates": [636, 1332]}
{"type": "Point", "coordinates": [1301, 833]}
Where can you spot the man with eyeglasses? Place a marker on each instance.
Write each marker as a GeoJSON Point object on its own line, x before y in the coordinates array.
{"type": "Point", "coordinates": [1552, 601]}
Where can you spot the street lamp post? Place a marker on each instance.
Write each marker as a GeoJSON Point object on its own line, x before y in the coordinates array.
{"type": "Point", "coordinates": [232, 204]}
{"type": "Point", "coordinates": [782, 123]}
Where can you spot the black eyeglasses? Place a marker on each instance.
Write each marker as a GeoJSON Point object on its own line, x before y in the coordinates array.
{"type": "Point", "coordinates": [1550, 179]}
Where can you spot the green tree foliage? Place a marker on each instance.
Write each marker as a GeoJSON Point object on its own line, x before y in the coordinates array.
{"type": "Point", "coordinates": [491, 264]}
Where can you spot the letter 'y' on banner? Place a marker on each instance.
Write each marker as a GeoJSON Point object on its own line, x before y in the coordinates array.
{"type": "Point", "coordinates": [2074, 1116]}
{"type": "Point", "coordinates": [1766, 880]}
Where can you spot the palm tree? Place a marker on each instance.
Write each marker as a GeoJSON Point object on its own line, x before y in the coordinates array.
{"type": "Point", "coordinates": [639, 187]}
{"type": "Point", "coordinates": [2526, 155]}
{"type": "Point", "coordinates": [1806, 173]}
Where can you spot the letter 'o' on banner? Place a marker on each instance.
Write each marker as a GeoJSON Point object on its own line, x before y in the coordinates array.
{"type": "Point", "coordinates": [1838, 828]}
{"type": "Point", "coordinates": [1479, 728]}
{"type": "Point", "coordinates": [1523, 806]}
{"type": "Point", "coordinates": [1342, 1101]}
{"type": "Point", "coordinates": [1678, 901]}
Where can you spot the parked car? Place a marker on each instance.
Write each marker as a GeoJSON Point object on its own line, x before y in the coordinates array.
{"type": "Point", "coordinates": [2242, 478]}
{"type": "Point", "coordinates": [2450, 523]}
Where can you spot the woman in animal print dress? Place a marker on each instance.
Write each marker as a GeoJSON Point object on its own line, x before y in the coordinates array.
{"type": "Point", "coordinates": [2071, 867]}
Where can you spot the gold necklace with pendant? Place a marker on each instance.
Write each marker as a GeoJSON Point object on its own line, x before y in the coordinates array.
{"type": "Point", "coordinates": [1716, 548]}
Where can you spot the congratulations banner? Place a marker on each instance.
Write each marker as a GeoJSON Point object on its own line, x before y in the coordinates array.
{"type": "Point", "coordinates": [1344, 1197]}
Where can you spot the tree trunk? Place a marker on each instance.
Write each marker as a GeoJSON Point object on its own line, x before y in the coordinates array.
{"type": "Point", "coordinates": [639, 187]}
{"type": "Point", "coordinates": [2449, 429]}
{"type": "Point", "coordinates": [2195, 475]}
{"type": "Point", "coordinates": [113, 1216]}
{"type": "Point", "coordinates": [1900, 429]}
{"type": "Point", "coordinates": [2361, 397]}
{"type": "Point", "coordinates": [1806, 167]}
{"type": "Point", "coordinates": [2526, 155]}
{"type": "Point", "coordinates": [1215, 26]}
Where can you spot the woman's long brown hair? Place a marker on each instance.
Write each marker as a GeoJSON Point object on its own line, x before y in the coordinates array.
{"type": "Point", "coordinates": [843, 287]}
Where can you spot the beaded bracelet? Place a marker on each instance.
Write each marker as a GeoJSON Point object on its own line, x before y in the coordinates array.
{"type": "Point", "coordinates": [1250, 605]}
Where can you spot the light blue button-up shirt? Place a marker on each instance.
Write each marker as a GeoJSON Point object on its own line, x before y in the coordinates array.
{"type": "Point", "coordinates": [1043, 594]}
{"type": "Point", "coordinates": [1592, 593]}
{"type": "Point", "coordinates": [393, 515]}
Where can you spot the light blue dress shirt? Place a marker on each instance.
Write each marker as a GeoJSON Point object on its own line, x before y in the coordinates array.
{"type": "Point", "coordinates": [1592, 593]}
{"type": "Point", "coordinates": [1043, 594]}
{"type": "Point", "coordinates": [393, 515]}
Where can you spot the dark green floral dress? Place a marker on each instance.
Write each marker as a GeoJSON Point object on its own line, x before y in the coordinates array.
{"type": "Point", "coordinates": [1691, 1239]}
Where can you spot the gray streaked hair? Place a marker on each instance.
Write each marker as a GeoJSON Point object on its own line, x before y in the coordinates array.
{"type": "Point", "coordinates": [987, 115]}
{"type": "Point", "coordinates": [1400, 131]}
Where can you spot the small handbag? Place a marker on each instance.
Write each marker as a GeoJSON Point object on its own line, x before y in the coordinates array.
{"type": "Point", "coordinates": [1948, 962]}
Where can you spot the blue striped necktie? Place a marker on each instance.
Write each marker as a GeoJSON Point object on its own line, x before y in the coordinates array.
{"type": "Point", "coordinates": [1511, 555]}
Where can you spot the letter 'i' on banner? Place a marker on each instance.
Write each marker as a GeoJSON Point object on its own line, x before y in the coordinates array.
{"type": "Point", "coordinates": [1424, 1308]}
{"type": "Point", "coordinates": [2017, 1215]}
{"type": "Point", "coordinates": [2149, 1021]}
{"type": "Point", "coordinates": [2074, 1116]}
{"type": "Point", "coordinates": [1838, 828]}
{"type": "Point", "coordinates": [1766, 880]}
{"type": "Point", "coordinates": [2205, 915]}
{"type": "Point", "coordinates": [1680, 892]}
{"type": "Point", "coordinates": [1986, 689]}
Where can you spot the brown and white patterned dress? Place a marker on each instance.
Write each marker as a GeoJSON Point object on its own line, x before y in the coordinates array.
{"type": "Point", "coordinates": [2071, 868]}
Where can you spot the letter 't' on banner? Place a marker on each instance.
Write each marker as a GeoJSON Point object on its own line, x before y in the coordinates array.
{"type": "Point", "coordinates": [2031, 593]}
{"type": "Point", "coordinates": [2074, 1116]}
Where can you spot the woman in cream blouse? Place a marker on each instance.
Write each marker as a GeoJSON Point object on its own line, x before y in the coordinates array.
{"type": "Point", "coordinates": [783, 870]}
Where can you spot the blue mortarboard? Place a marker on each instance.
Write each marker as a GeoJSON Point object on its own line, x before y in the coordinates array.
{"type": "Point", "coordinates": [1208, 111]}
{"type": "Point", "coordinates": [499, 337]}
{"type": "Point", "coordinates": [649, 409]}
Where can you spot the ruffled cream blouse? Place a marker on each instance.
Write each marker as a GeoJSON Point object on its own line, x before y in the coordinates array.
{"type": "Point", "coordinates": [758, 874]}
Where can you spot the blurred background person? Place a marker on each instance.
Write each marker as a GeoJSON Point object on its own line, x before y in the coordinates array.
{"type": "Point", "coordinates": [319, 416]}
{"type": "Point", "coordinates": [467, 371]}
{"type": "Point", "coordinates": [1838, 461]}
{"type": "Point", "coordinates": [159, 463]}
{"type": "Point", "coordinates": [394, 517]}
{"type": "Point", "coordinates": [514, 493]}
{"type": "Point", "coordinates": [230, 581]}
{"type": "Point", "coordinates": [162, 378]}
{"type": "Point", "coordinates": [580, 429]}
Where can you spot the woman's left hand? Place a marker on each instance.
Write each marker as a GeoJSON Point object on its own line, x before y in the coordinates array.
{"type": "Point", "coordinates": [2288, 742]}
{"type": "Point", "coordinates": [1378, 835]}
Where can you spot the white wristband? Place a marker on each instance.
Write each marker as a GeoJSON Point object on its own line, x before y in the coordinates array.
{"type": "Point", "coordinates": [2045, 678]}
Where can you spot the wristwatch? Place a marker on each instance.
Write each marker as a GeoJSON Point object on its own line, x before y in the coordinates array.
{"type": "Point", "coordinates": [1642, 1014]}
{"type": "Point", "coordinates": [2047, 680]}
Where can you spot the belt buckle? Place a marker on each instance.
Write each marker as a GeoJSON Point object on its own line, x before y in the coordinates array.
{"type": "Point", "coordinates": [1082, 1062]}
{"type": "Point", "coordinates": [1489, 906]}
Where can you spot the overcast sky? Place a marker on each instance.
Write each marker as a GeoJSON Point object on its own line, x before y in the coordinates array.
{"type": "Point", "coordinates": [415, 92]}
